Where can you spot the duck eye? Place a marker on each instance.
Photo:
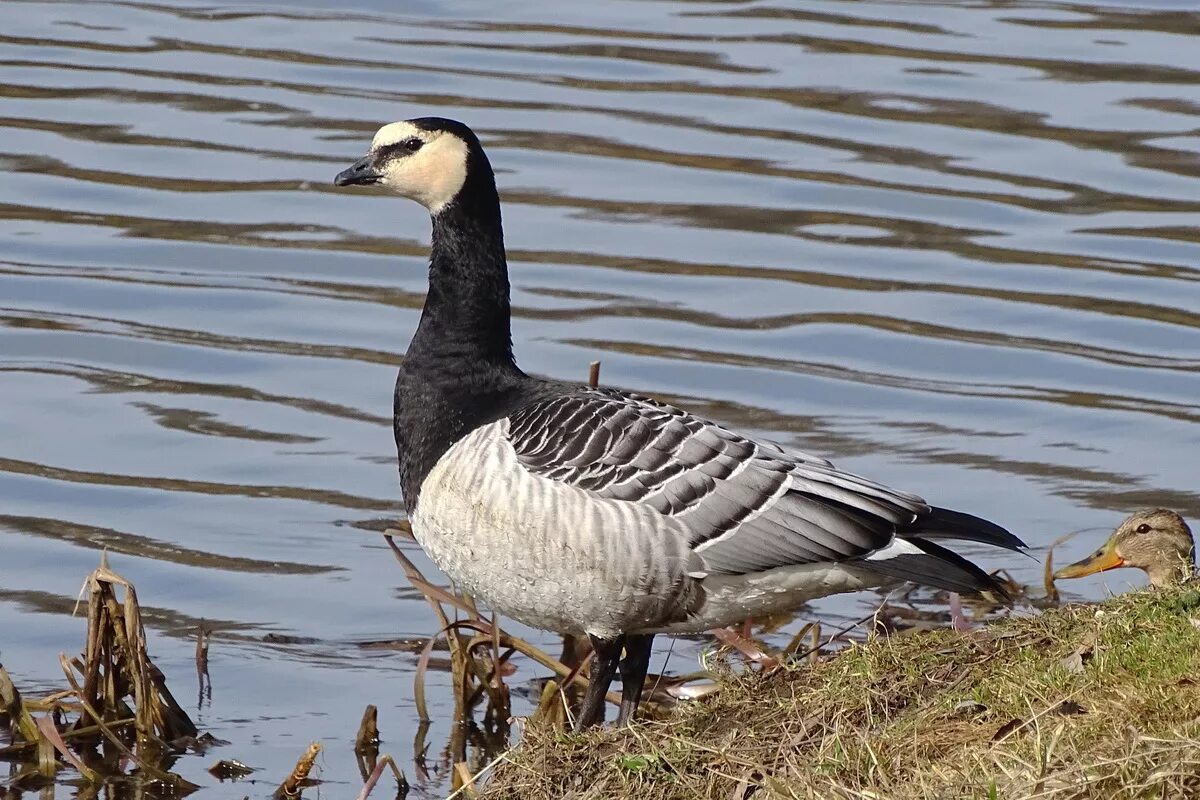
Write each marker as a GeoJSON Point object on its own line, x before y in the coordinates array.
{"type": "Point", "coordinates": [1143, 528]}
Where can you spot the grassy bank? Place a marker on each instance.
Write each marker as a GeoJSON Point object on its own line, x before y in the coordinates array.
{"type": "Point", "coordinates": [1080, 702]}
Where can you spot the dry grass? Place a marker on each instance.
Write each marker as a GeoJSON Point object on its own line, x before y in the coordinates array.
{"type": "Point", "coordinates": [1080, 702]}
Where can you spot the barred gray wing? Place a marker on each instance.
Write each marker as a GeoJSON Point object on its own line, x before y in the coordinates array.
{"type": "Point", "coordinates": [745, 505]}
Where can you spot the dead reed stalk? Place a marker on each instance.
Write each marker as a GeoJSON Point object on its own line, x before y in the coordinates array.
{"type": "Point", "coordinates": [377, 773]}
{"type": "Point", "coordinates": [297, 779]}
{"type": "Point", "coordinates": [118, 699]}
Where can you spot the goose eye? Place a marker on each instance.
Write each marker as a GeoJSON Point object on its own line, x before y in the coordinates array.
{"type": "Point", "coordinates": [412, 145]}
{"type": "Point", "coordinates": [1143, 528]}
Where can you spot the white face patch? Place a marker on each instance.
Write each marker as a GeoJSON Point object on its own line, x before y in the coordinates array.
{"type": "Point", "coordinates": [432, 175]}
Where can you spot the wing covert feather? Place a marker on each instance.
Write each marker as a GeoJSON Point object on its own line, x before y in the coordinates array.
{"type": "Point", "coordinates": [745, 505]}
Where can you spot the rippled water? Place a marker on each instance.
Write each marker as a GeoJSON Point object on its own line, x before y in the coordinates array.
{"type": "Point", "coordinates": [952, 246]}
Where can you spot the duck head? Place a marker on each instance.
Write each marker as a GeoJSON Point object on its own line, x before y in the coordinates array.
{"type": "Point", "coordinates": [1157, 542]}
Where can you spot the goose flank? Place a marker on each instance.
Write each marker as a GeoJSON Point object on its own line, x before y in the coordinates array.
{"type": "Point", "coordinates": [598, 511]}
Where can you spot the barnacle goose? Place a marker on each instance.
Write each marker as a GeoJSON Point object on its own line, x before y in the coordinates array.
{"type": "Point", "coordinates": [599, 511]}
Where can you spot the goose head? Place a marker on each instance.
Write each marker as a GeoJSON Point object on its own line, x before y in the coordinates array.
{"type": "Point", "coordinates": [428, 159]}
{"type": "Point", "coordinates": [1157, 542]}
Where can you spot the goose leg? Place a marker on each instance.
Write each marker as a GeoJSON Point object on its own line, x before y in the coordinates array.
{"type": "Point", "coordinates": [604, 667]}
{"type": "Point", "coordinates": [633, 674]}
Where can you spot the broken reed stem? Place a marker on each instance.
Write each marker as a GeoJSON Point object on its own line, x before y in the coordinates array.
{"type": "Point", "coordinates": [368, 731]}
{"type": "Point", "coordinates": [456, 653]}
{"type": "Point", "coordinates": [74, 733]}
{"type": "Point", "coordinates": [47, 765]}
{"type": "Point", "coordinates": [502, 708]}
{"type": "Point", "coordinates": [385, 761]}
{"type": "Point", "coordinates": [22, 723]}
{"type": "Point", "coordinates": [202, 635]}
{"type": "Point", "coordinates": [166, 777]}
{"type": "Point", "coordinates": [50, 733]}
{"type": "Point", "coordinates": [797, 640]}
{"type": "Point", "coordinates": [469, 675]}
{"type": "Point", "coordinates": [550, 711]}
{"type": "Point", "coordinates": [50, 702]}
{"type": "Point", "coordinates": [293, 785]}
{"type": "Point", "coordinates": [366, 743]}
{"type": "Point", "coordinates": [537, 654]}
{"type": "Point", "coordinates": [134, 661]}
{"type": "Point", "coordinates": [489, 681]}
{"type": "Point", "coordinates": [468, 786]}
{"type": "Point", "coordinates": [117, 664]}
{"type": "Point", "coordinates": [841, 632]}
{"type": "Point", "coordinates": [464, 780]}
{"type": "Point", "coordinates": [1048, 570]}
{"type": "Point", "coordinates": [479, 690]}
{"type": "Point", "coordinates": [174, 719]}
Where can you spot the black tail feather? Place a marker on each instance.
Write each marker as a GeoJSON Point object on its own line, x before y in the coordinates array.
{"type": "Point", "coordinates": [937, 567]}
{"type": "Point", "coordinates": [942, 523]}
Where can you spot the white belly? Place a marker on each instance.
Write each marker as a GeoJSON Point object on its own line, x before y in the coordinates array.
{"type": "Point", "coordinates": [730, 599]}
{"type": "Point", "coordinates": [548, 554]}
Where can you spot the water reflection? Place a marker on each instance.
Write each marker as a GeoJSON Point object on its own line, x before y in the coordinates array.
{"type": "Point", "coordinates": [954, 252]}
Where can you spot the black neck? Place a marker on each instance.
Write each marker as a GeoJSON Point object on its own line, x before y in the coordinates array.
{"type": "Point", "coordinates": [459, 372]}
{"type": "Point", "coordinates": [466, 315]}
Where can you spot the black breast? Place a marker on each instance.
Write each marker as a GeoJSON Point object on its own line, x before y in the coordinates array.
{"type": "Point", "coordinates": [439, 402]}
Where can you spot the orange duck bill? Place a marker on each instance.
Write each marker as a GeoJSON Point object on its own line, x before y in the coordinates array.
{"type": "Point", "coordinates": [1103, 559]}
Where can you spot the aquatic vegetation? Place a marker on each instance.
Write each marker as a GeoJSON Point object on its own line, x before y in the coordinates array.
{"type": "Point", "coordinates": [117, 708]}
{"type": "Point", "coordinates": [118, 725]}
